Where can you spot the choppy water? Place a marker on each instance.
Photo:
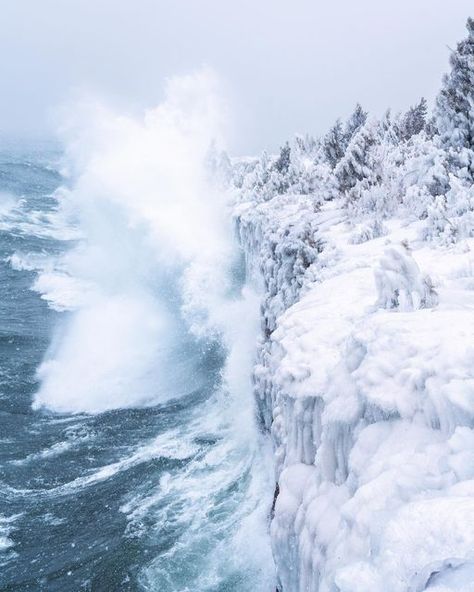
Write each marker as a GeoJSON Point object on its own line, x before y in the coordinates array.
{"type": "Point", "coordinates": [149, 495]}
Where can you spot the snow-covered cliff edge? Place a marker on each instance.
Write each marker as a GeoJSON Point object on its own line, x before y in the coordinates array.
{"type": "Point", "coordinates": [365, 381]}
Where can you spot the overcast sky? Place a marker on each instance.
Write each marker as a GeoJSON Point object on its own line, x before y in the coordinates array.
{"type": "Point", "coordinates": [287, 65]}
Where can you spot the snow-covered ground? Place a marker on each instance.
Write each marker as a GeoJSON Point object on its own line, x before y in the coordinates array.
{"type": "Point", "coordinates": [367, 382]}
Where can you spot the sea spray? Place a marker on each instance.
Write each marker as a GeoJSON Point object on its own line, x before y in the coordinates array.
{"type": "Point", "coordinates": [157, 243]}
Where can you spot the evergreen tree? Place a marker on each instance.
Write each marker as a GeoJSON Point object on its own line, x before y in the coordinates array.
{"type": "Point", "coordinates": [431, 127]}
{"type": "Point", "coordinates": [455, 103]}
{"type": "Point", "coordinates": [354, 123]}
{"type": "Point", "coordinates": [357, 164]}
{"type": "Point", "coordinates": [414, 120]}
{"type": "Point", "coordinates": [333, 144]}
{"type": "Point", "coordinates": [282, 163]}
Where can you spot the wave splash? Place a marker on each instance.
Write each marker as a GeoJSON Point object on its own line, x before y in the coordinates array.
{"type": "Point", "coordinates": [152, 270]}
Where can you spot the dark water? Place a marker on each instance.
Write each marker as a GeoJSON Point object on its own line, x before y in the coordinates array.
{"type": "Point", "coordinates": [130, 499]}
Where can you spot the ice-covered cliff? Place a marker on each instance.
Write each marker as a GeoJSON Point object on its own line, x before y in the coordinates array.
{"type": "Point", "coordinates": [364, 243]}
{"type": "Point", "coordinates": [366, 382]}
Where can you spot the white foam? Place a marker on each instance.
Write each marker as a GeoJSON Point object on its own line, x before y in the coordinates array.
{"type": "Point", "coordinates": [6, 527]}
{"type": "Point", "coordinates": [8, 202]}
{"type": "Point", "coordinates": [111, 354]}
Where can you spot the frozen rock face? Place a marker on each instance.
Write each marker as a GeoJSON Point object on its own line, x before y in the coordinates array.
{"type": "Point", "coordinates": [365, 379]}
{"type": "Point", "coordinates": [281, 243]}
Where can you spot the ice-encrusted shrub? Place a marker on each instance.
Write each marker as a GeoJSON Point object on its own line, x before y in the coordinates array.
{"type": "Point", "coordinates": [258, 184]}
{"type": "Point", "coordinates": [425, 166]}
{"type": "Point", "coordinates": [460, 205]}
{"type": "Point", "coordinates": [439, 227]}
{"type": "Point", "coordinates": [450, 217]}
{"type": "Point", "coordinates": [410, 174]}
{"type": "Point", "coordinates": [400, 283]}
{"type": "Point", "coordinates": [366, 200]}
{"type": "Point", "coordinates": [311, 176]}
{"type": "Point", "coordinates": [367, 231]}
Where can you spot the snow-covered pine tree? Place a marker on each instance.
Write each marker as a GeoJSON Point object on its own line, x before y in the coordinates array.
{"type": "Point", "coordinates": [455, 104]}
{"type": "Point", "coordinates": [431, 127]}
{"type": "Point", "coordinates": [413, 121]}
{"type": "Point", "coordinates": [357, 165]}
{"type": "Point", "coordinates": [282, 163]}
{"type": "Point", "coordinates": [354, 123]}
{"type": "Point", "coordinates": [338, 138]}
{"type": "Point", "coordinates": [281, 170]}
{"type": "Point", "coordinates": [334, 144]}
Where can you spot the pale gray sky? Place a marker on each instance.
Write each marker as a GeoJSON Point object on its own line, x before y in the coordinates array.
{"type": "Point", "coordinates": [287, 65]}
